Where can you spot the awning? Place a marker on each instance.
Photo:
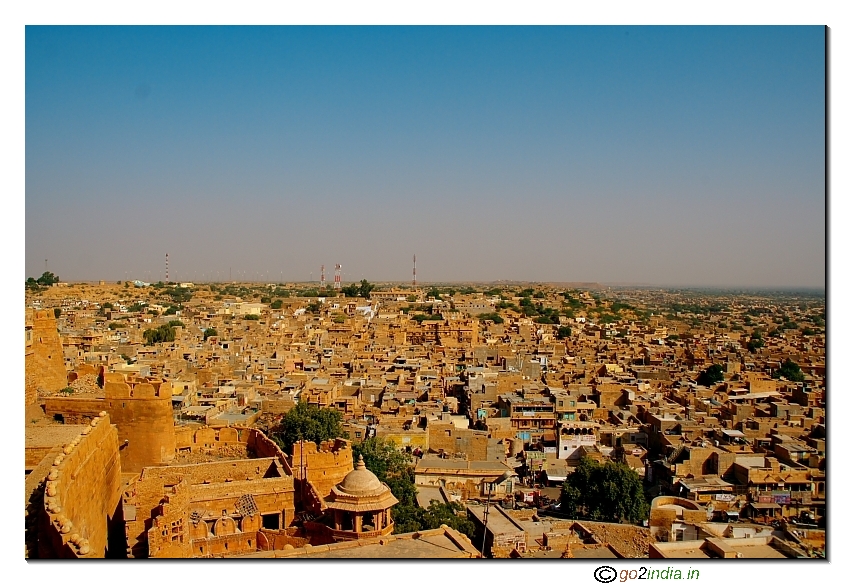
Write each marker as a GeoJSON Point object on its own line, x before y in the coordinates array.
{"type": "Point", "coordinates": [765, 505]}
{"type": "Point", "coordinates": [555, 478]}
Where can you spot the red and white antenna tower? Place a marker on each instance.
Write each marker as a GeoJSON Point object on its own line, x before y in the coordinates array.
{"type": "Point", "coordinates": [338, 276]}
{"type": "Point", "coordinates": [166, 268]}
{"type": "Point", "coordinates": [323, 277]}
{"type": "Point", "coordinates": [414, 271]}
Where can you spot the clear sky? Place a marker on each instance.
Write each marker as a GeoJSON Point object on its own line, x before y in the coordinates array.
{"type": "Point", "coordinates": [652, 155]}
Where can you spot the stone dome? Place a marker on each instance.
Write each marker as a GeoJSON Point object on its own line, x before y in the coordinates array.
{"type": "Point", "coordinates": [361, 482]}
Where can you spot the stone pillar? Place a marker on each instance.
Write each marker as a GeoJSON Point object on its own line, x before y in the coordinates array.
{"type": "Point", "coordinates": [358, 523]}
{"type": "Point", "coordinates": [376, 520]}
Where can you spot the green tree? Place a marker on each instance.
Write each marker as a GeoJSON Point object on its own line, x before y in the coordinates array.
{"type": "Point", "coordinates": [254, 317]}
{"type": "Point", "coordinates": [789, 370]}
{"type": "Point", "coordinates": [277, 304]}
{"type": "Point", "coordinates": [452, 515]}
{"type": "Point", "coordinates": [610, 491]}
{"type": "Point", "coordinates": [547, 315]}
{"type": "Point", "coordinates": [755, 341]}
{"type": "Point", "coordinates": [365, 289]}
{"type": "Point", "coordinates": [179, 295]}
{"type": "Point", "coordinates": [407, 518]}
{"type": "Point", "coordinates": [564, 332]}
{"type": "Point", "coordinates": [164, 333]}
{"type": "Point", "coordinates": [210, 332]}
{"type": "Point", "coordinates": [422, 317]}
{"type": "Point", "coordinates": [308, 422]}
{"type": "Point", "coordinates": [711, 375]}
{"type": "Point", "coordinates": [383, 458]}
{"type": "Point", "coordinates": [570, 500]}
{"type": "Point", "coordinates": [496, 318]}
{"type": "Point", "coordinates": [47, 279]}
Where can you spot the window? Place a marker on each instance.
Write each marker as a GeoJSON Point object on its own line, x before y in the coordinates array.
{"type": "Point", "coordinates": [271, 521]}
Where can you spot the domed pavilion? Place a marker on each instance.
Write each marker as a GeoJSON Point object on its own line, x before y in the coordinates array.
{"type": "Point", "coordinates": [360, 505]}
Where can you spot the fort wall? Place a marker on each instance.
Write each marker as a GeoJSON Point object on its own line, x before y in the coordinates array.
{"type": "Point", "coordinates": [44, 361]}
{"type": "Point", "coordinates": [73, 410]}
{"type": "Point", "coordinates": [82, 495]}
{"type": "Point", "coordinates": [141, 408]}
{"type": "Point", "coordinates": [325, 465]}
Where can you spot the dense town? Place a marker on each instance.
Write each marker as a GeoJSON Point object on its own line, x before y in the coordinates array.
{"type": "Point", "coordinates": [508, 419]}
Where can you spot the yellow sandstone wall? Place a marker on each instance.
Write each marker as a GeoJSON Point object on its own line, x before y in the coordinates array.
{"type": "Point", "coordinates": [144, 416]}
{"type": "Point", "coordinates": [82, 495]}
{"type": "Point", "coordinates": [212, 491]}
{"type": "Point", "coordinates": [326, 465]}
{"type": "Point", "coordinates": [44, 363]}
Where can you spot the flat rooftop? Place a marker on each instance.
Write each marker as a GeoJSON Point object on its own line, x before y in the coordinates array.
{"type": "Point", "coordinates": [440, 543]}
{"type": "Point", "coordinates": [51, 436]}
{"type": "Point", "coordinates": [425, 464]}
{"type": "Point", "coordinates": [749, 548]}
{"type": "Point", "coordinates": [499, 521]}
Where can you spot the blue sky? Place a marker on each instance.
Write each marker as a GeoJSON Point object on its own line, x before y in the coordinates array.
{"type": "Point", "coordinates": [661, 155]}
